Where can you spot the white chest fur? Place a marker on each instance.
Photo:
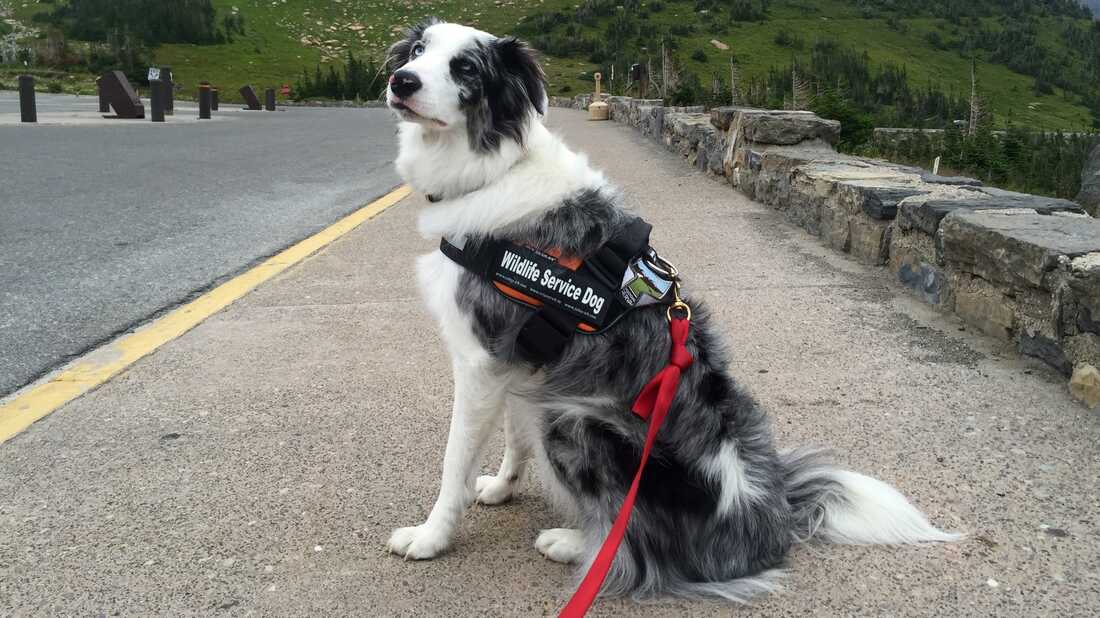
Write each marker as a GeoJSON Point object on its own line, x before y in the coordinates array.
{"type": "Point", "coordinates": [438, 278]}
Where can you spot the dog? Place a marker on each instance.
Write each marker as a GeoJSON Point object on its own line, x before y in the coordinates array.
{"type": "Point", "coordinates": [719, 507]}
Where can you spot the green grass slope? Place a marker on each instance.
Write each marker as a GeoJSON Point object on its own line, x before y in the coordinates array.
{"type": "Point", "coordinates": [1010, 94]}
{"type": "Point", "coordinates": [283, 37]}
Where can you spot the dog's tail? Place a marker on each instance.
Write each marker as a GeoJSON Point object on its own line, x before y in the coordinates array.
{"type": "Point", "coordinates": [848, 507]}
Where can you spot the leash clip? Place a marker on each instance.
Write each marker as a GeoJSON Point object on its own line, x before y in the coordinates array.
{"type": "Point", "coordinates": [678, 304]}
{"type": "Point", "coordinates": [668, 270]}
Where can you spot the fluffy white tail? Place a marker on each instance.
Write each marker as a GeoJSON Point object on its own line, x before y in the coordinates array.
{"type": "Point", "coordinates": [851, 508]}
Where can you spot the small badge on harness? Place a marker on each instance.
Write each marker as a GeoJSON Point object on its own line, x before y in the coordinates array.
{"type": "Point", "coordinates": [642, 285]}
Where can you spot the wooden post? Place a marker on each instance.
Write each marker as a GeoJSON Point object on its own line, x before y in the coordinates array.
{"type": "Point", "coordinates": [598, 110]}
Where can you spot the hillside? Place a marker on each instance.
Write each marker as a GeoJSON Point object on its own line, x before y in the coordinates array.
{"type": "Point", "coordinates": [924, 42]}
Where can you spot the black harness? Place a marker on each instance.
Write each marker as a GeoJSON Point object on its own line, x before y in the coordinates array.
{"type": "Point", "coordinates": [567, 297]}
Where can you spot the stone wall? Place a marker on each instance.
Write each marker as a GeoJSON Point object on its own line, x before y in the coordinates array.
{"type": "Point", "coordinates": [1022, 268]}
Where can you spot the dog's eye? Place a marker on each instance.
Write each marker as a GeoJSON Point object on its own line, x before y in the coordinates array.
{"type": "Point", "coordinates": [465, 66]}
{"type": "Point", "coordinates": [417, 50]}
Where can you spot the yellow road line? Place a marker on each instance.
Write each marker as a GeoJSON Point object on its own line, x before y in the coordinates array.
{"type": "Point", "coordinates": [93, 369]}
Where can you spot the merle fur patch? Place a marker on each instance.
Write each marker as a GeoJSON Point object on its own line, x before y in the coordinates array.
{"type": "Point", "coordinates": [502, 84]}
{"type": "Point", "coordinates": [400, 52]}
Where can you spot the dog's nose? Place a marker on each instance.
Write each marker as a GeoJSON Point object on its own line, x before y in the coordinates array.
{"type": "Point", "coordinates": [403, 83]}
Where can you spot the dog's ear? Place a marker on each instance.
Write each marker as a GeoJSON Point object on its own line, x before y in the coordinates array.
{"type": "Point", "coordinates": [397, 55]}
{"type": "Point", "coordinates": [522, 71]}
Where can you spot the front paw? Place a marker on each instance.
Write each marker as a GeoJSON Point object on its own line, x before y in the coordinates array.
{"type": "Point", "coordinates": [493, 490]}
{"type": "Point", "coordinates": [564, 545]}
{"type": "Point", "coordinates": [422, 542]}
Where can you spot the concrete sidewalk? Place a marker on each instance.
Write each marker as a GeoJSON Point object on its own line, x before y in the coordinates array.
{"type": "Point", "coordinates": [257, 464]}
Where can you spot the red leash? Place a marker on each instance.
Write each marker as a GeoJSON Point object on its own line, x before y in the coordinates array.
{"type": "Point", "coordinates": [652, 405]}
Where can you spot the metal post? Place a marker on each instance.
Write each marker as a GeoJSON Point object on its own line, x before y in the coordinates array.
{"type": "Point", "coordinates": [269, 99]}
{"type": "Point", "coordinates": [104, 105]}
{"type": "Point", "coordinates": [204, 102]}
{"type": "Point", "coordinates": [27, 109]}
{"type": "Point", "coordinates": [156, 100]}
{"type": "Point", "coordinates": [214, 99]}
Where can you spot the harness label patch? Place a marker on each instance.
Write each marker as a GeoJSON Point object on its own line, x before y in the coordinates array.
{"type": "Point", "coordinates": [642, 285]}
{"type": "Point", "coordinates": [540, 276]}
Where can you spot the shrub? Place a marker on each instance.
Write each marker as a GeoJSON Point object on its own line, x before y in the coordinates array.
{"type": "Point", "coordinates": [154, 21]}
{"type": "Point", "coordinates": [746, 10]}
{"type": "Point", "coordinates": [895, 24]}
{"type": "Point", "coordinates": [682, 29]}
{"type": "Point", "coordinates": [699, 55]}
{"type": "Point", "coordinates": [54, 87]}
{"type": "Point", "coordinates": [784, 38]}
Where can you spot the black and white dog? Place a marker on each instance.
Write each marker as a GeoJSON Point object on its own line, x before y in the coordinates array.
{"type": "Point", "coordinates": [719, 506]}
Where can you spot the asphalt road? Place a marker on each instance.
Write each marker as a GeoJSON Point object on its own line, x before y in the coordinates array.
{"type": "Point", "coordinates": [105, 223]}
{"type": "Point", "coordinates": [257, 464]}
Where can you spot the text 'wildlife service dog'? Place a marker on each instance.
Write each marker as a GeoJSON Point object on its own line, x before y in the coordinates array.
{"type": "Point", "coordinates": [557, 315]}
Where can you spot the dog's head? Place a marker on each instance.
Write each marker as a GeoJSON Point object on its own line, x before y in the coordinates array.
{"type": "Point", "coordinates": [448, 77]}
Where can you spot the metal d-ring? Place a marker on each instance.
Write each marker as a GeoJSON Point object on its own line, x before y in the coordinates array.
{"type": "Point", "coordinates": [679, 306]}
{"type": "Point", "coordinates": [661, 266]}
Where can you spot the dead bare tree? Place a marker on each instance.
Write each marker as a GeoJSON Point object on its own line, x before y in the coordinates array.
{"type": "Point", "coordinates": [650, 85]}
{"type": "Point", "coordinates": [733, 81]}
{"type": "Point", "coordinates": [802, 94]}
{"type": "Point", "coordinates": [670, 76]}
{"type": "Point", "coordinates": [975, 102]}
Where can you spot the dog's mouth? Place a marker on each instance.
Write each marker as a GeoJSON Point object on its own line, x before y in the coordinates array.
{"type": "Point", "coordinates": [408, 113]}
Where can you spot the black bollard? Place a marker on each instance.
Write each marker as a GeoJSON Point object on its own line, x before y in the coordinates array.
{"type": "Point", "coordinates": [269, 99]}
{"type": "Point", "coordinates": [214, 99]}
{"type": "Point", "coordinates": [104, 105]}
{"type": "Point", "coordinates": [27, 109]}
{"type": "Point", "coordinates": [204, 102]}
{"type": "Point", "coordinates": [156, 100]}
